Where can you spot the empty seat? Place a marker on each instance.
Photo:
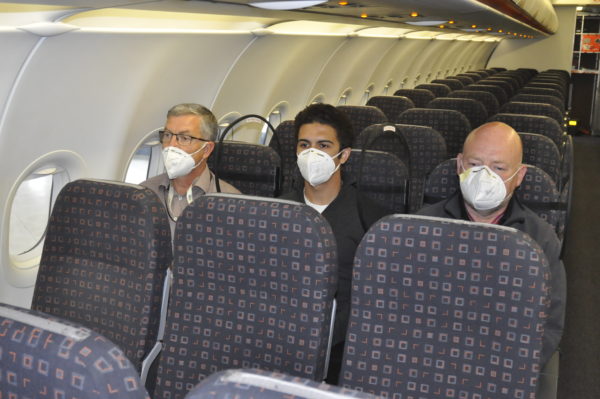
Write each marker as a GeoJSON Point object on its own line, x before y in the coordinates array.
{"type": "Point", "coordinates": [384, 137]}
{"type": "Point", "coordinates": [474, 76]}
{"type": "Point", "coordinates": [472, 109]}
{"type": "Point", "coordinates": [104, 263]}
{"type": "Point", "coordinates": [514, 83]}
{"type": "Point", "coordinates": [446, 308]}
{"type": "Point", "coordinates": [362, 116]}
{"type": "Point", "coordinates": [504, 85]}
{"type": "Point", "coordinates": [543, 92]}
{"type": "Point", "coordinates": [518, 107]}
{"type": "Point", "coordinates": [452, 125]}
{"type": "Point", "coordinates": [465, 80]}
{"type": "Point", "coordinates": [420, 97]}
{"type": "Point", "coordinates": [542, 152]}
{"type": "Point", "coordinates": [489, 101]}
{"type": "Point", "coordinates": [382, 176]}
{"type": "Point", "coordinates": [497, 91]}
{"type": "Point", "coordinates": [438, 89]}
{"type": "Point", "coordinates": [550, 85]}
{"type": "Point", "coordinates": [254, 169]}
{"type": "Point", "coordinates": [283, 142]}
{"type": "Point", "coordinates": [538, 98]}
{"type": "Point", "coordinates": [253, 286]}
{"type": "Point", "coordinates": [453, 84]}
{"type": "Point", "coordinates": [533, 124]}
{"type": "Point", "coordinates": [392, 106]}
{"type": "Point", "coordinates": [254, 384]}
{"type": "Point", "coordinates": [48, 357]}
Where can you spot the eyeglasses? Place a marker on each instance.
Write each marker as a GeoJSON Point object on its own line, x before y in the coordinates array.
{"type": "Point", "coordinates": [183, 139]}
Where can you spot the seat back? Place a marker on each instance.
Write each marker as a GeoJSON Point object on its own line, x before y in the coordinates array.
{"type": "Point", "coordinates": [254, 169]}
{"type": "Point", "coordinates": [438, 89]}
{"type": "Point", "coordinates": [382, 176]}
{"type": "Point", "coordinates": [453, 84]}
{"type": "Point", "coordinates": [285, 146]}
{"type": "Point", "coordinates": [253, 286]}
{"type": "Point", "coordinates": [48, 357]}
{"type": "Point", "coordinates": [537, 98]}
{"type": "Point", "coordinates": [452, 125]}
{"type": "Point", "coordinates": [540, 151]}
{"type": "Point", "coordinates": [362, 116]}
{"type": "Point", "coordinates": [444, 308]}
{"type": "Point", "coordinates": [104, 263]}
{"type": "Point", "coordinates": [497, 91]}
{"type": "Point", "coordinates": [472, 109]}
{"type": "Point", "coordinates": [539, 124]}
{"type": "Point", "coordinates": [384, 137]}
{"type": "Point", "coordinates": [474, 76]}
{"type": "Point", "coordinates": [489, 101]}
{"type": "Point", "coordinates": [517, 107]}
{"type": "Point", "coordinates": [419, 97]}
{"type": "Point", "coordinates": [543, 92]}
{"type": "Point", "coordinates": [465, 80]}
{"type": "Point", "coordinates": [504, 85]}
{"type": "Point", "coordinates": [254, 384]}
{"type": "Point", "coordinates": [392, 106]}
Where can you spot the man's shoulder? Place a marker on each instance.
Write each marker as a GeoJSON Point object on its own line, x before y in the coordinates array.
{"type": "Point", "coordinates": [155, 182]}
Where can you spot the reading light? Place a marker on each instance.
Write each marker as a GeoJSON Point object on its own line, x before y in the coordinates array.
{"type": "Point", "coordinates": [451, 22]}
{"type": "Point", "coordinates": [286, 5]}
{"type": "Point", "coordinates": [364, 15]}
{"type": "Point", "coordinates": [414, 14]}
{"type": "Point", "coordinates": [343, 3]}
{"type": "Point", "coordinates": [473, 26]}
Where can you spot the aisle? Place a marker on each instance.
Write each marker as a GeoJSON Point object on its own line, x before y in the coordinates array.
{"type": "Point", "coordinates": [580, 348]}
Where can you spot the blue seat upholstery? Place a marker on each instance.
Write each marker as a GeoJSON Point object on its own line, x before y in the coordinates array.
{"type": "Point", "coordinates": [489, 101]}
{"type": "Point", "coordinates": [104, 263]}
{"type": "Point", "coordinates": [285, 146]}
{"type": "Point", "coordinates": [541, 151]}
{"type": "Point", "coordinates": [471, 108]}
{"type": "Point", "coordinates": [255, 383]}
{"type": "Point", "coordinates": [539, 124]}
{"type": "Point", "coordinates": [47, 357]}
{"type": "Point", "coordinates": [444, 308]}
{"type": "Point", "coordinates": [392, 106]}
{"type": "Point", "coordinates": [253, 286]}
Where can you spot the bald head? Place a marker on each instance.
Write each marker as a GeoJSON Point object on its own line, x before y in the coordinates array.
{"type": "Point", "coordinates": [496, 138]}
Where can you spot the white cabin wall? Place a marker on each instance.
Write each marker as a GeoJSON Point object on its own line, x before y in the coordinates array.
{"type": "Point", "coordinates": [554, 52]}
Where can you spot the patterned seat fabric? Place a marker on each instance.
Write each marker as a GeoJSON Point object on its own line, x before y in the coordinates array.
{"type": "Point", "coordinates": [474, 76]}
{"type": "Point", "coordinates": [392, 106]}
{"type": "Point", "coordinates": [504, 85]}
{"type": "Point", "coordinates": [438, 89]}
{"type": "Point", "coordinates": [452, 125]}
{"type": "Point", "coordinates": [253, 286]}
{"type": "Point", "coordinates": [517, 107]}
{"type": "Point", "coordinates": [465, 80]}
{"type": "Point", "coordinates": [47, 357]}
{"type": "Point", "coordinates": [541, 151]}
{"type": "Point", "coordinates": [514, 82]}
{"type": "Point", "coordinates": [549, 85]}
{"type": "Point", "coordinates": [105, 257]}
{"type": "Point", "coordinates": [362, 116]}
{"type": "Point", "coordinates": [444, 308]}
{"type": "Point", "coordinates": [489, 101]}
{"type": "Point", "coordinates": [453, 84]}
{"type": "Point", "coordinates": [420, 97]}
{"type": "Point", "coordinates": [537, 98]}
{"type": "Point", "coordinates": [483, 74]}
{"type": "Point", "coordinates": [472, 109]}
{"type": "Point", "coordinates": [255, 384]}
{"type": "Point", "coordinates": [497, 91]}
{"type": "Point", "coordinates": [253, 169]}
{"type": "Point", "coordinates": [382, 176]}
{"type": "Point", "coordinates": [427, 150]}
{"type": "Point", "coordinates": [539, 124]}
{"type": "Point", "coordinates": [543, 92]}
{"type": "Point", "coordinates": [384, 137]}
{"type": "Point", "coordinates": [285, 145]}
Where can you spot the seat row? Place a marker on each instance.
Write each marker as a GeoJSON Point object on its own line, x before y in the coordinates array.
{"type": "Point", "coordinates": [440, 308]}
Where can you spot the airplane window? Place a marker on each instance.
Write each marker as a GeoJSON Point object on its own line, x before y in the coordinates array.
{"type": "Point", "coordinates": [344, 97]}
{"type": "Point", "coordinates": [387, 88]}
{"type": "Point", "coordinates": [30, 213]}
{"type": "Point", "coordinates": [146, 161]}
{"type": "Point", "coordinates": [367, 94]}
{"type": "Point", "coordinates": [318, 99]}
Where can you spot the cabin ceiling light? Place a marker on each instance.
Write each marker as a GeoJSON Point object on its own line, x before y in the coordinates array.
{"type": "Point", "coordinates": [425, 23]}
{"type": "Point", "coordinates": [286, 5]}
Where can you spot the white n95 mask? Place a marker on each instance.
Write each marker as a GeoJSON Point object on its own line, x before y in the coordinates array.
{"type": "Point", "coordinates": [178, 162]}
{"type": "Point", "coordinates": [316, 166]}
{"type": "Point", "coordinates": [482, 188]}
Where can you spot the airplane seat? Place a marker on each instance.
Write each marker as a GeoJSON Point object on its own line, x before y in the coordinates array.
{"type": "Point", "coordinates": [472, 109]}
{"type": "Point", "coordinates": [482, 74]}
{"type": "Point", "coordinates": [537, 98]}
{"type": "Point", "coordinates": [362, 116]}
{"type": "Point", "coordinates": [520, 77]}
{"type": "Point", "coordinates": [254, 280]}
{"type": "Point", "coordinates": [382, 176]}
{"type": "Point", "coordinates": [438, 89]}
{"type": "Point", "coordinates": [497, 91]}
{"type": "Point", "coordinates": [539, 124]}
{"type": "Point", "coordinates": [451, 124]}
{"type": "Point", "coordinates": [427, 149]}
{"type": "Point", "coordinates": [474, 76]}
{"type": "Point", "coordinates": [545, 84]}
{"type": "Point", "coordinates": [255, 383]}
{"type": "Point", "coordinates": [254, 169]}
{"type": "Point", "coordinates": [105, 264]}
{"type": "Point", "coordinates": [541, 151]}
{"type": "Point", "coordinates": [489, 101]}
{"type": "Point", "coordinates": [453, 84]}
{"type": "Point", "coordinates": [513, 81]}
{"type": "Point", "coordinates": [419, 97]}
{"type": "Point", "coordinates": [498, 69]}
{"type": "Point", "coordinates": [465, 80]}
{"type": "Point", "coordinates": [543, 91]}
{"type": "Point", "coordinates": [384, 137]}
{"type": "Point", "coordinates": [441, 182]}
{"type": "Point", "coordinates": [44, 356]}
{"type": "Point", "coordinates": [446, 308]}
{"type": "Point", "coordinates": [528, 108]}
{"type": "Point", "coordinates": [508, 88]}
{"type": "Point", "coordinates": [285, 146]}
{"type": "Point", "coordinates": [391, 106]}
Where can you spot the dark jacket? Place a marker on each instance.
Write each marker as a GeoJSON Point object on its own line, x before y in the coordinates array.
{"type": "Point", "coordinates": [348, 225]}
{"type": "Point", "coordinates": [520, 217]}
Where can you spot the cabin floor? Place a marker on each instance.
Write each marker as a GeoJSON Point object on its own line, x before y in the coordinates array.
{"type": "Point", "coordinates": [580, 346]}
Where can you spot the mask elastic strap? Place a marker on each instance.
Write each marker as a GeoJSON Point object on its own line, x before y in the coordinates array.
{"type": "Point", "coordinates": [514, 174]}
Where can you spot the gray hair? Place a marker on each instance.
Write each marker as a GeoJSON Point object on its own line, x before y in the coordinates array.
{"type": "Point", "coordinates": [208, 121]}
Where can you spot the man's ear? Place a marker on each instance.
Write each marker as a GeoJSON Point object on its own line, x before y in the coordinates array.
{"type": "Point", "coordinates": [459, 159]}
{"type": "Point", "coordinates": [209, 147]}
{"type": "Point", "coordinates": [345, 155]}
{"type": "Point", "coordinates": [521, 174]}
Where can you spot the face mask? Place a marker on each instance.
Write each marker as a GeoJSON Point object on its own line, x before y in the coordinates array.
{"type": "Point", "coordinates": [482, 188]}
{"type": "Point", "coordinates": [316, 166]}
{"type": "Point", "coordinates": [178, 162]}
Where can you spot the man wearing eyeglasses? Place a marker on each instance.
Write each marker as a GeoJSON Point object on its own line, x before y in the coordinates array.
{"type": "Point", "coordinates": [188, 139]}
